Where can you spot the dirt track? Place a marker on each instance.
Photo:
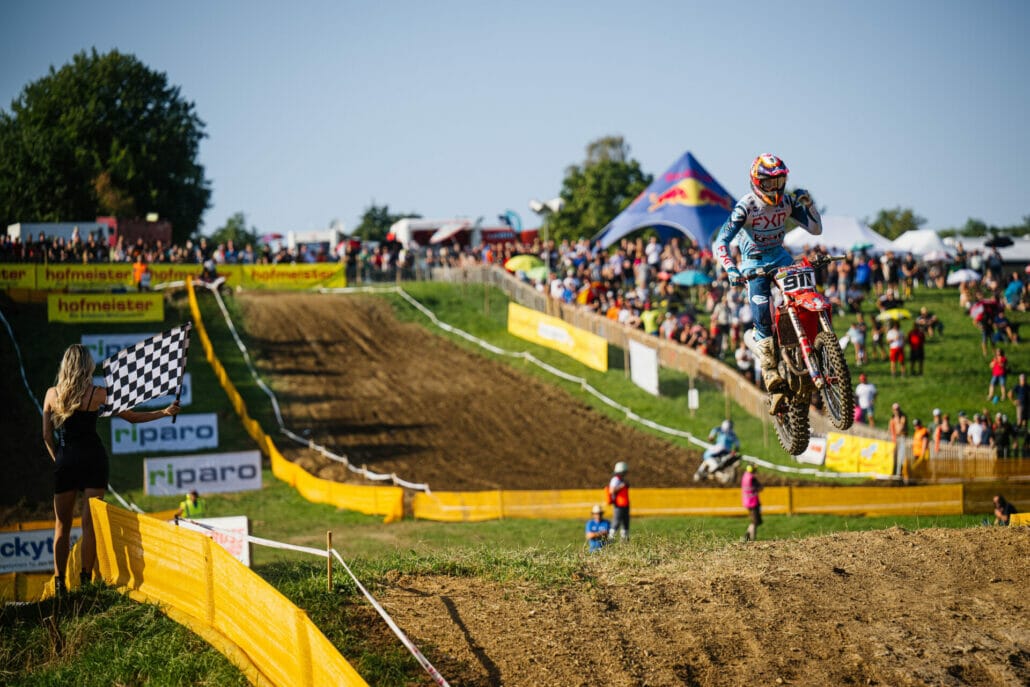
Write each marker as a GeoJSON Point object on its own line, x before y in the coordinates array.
{"type": "Point", "coordinates": [937, 607]}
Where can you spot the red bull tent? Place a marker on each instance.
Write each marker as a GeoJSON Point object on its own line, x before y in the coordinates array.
{"type": "Point", "coordinates": [686, 199]}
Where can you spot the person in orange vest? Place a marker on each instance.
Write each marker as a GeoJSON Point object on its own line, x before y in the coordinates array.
{"type": "Point", "coordinates": [617, 496]}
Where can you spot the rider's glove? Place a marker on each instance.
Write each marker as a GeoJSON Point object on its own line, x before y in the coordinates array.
{"type": "Point", "coordinates": [802, 197]}
{"type": "Point", "coordinates": [734, 276]}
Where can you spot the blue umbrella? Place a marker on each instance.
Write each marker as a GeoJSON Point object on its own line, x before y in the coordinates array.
{"type": "Point", "coordinates": [691, 278]}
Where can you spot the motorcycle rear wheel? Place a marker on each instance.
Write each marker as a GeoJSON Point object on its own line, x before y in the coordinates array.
{"type": "Point", "coordinates": [838, 398]}
{"type": "Point", "coordinates": [792, 428]}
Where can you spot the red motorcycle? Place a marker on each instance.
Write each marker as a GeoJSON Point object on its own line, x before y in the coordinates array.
{"type": "Point", "coordinates": [809, 355]}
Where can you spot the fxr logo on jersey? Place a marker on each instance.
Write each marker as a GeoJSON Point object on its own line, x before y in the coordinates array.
{"type": "Point", "coordinates": [773, 221]}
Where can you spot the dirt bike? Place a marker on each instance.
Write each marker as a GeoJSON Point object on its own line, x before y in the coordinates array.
{"type": "Point", "coordinates": [809, 355]}
{"type": "Point", "coordinates": [723, 468]}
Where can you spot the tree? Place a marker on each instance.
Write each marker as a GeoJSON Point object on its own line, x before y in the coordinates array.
{"type": "Point", "coordinates": [597, 191]}
{"type": "Point", "coordinates": [376, 222]}
{"type": "Point", "coordinates": [235, 230]}
{"type": "Point", "coordinates": [894, 223]}
{"type": "Point", "coordinates": [102, 135]}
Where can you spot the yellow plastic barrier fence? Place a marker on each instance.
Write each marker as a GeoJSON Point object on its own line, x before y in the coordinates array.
{"type": "Point", "coordinates": [372, 500]}
{"type": "Point", "coordinates": [454, 506]}
{"type": "Point", "coordinates": [1019, 520]}
{"type": "Point", "coordinates": [218, 597]}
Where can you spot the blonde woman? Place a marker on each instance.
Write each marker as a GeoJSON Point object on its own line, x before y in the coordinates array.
{"type": "Point", "coordinates": [80, 461]}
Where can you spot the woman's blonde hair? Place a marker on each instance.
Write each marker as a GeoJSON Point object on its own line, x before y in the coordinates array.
{"type": "Point", "coordinates": [73, 379]}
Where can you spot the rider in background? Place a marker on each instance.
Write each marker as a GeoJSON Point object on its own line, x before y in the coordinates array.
{"type": "Point", "coordinates": [725, 441]}
{"type": "Point", "coordinates": [763, 215]}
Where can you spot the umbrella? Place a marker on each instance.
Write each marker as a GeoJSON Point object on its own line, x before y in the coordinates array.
{"type": "Point", "coordinates": [539, 273]}
{"type": "Point", "coordinates": [937, 256]}
{"type": "Point", "coordinates": [691, 278]}
{"type": "Point", "coordinates": [894, 314]}
{"type": "Point", "coordinates": [998, 242]}
{"type": "Point", "coordinates": [962, 276]}
{"type": "Point", "coordinates": [523, 262]}
{"type": "Point", "coordinates": [861, 245]}
{"type": "Point", "coordinates": [268, 238]}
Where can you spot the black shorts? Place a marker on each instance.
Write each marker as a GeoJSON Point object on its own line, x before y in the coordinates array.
{"type": "Point", "coordinates": [80, 471]}
{"type": "Point", "coordinates": [756, 515]}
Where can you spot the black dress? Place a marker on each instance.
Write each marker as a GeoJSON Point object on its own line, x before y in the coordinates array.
{"type": "Point", "coordinates": [81, 457]}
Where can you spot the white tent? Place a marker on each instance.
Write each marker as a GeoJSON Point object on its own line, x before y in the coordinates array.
{"type": "Point", "coordinates": [919, 242]}
{"type": "Point", "coordinates": [839, 234]}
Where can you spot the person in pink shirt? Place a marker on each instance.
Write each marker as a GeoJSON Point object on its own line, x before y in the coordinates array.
{"type": "Point", "coordinates": [749, 488]}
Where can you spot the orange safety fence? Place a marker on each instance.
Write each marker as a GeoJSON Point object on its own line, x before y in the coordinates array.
{"type": "Point", "coordinates": [372, 500]}
{"type": "Point", "coordinates": [205, 588]}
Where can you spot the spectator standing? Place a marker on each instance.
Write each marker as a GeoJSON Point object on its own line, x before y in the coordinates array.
{"type": "Point", "coordinates": [865, 395]}
{"type": "Point", "coordinates": [192, 508]}
{"type": "Point", "coordinates": [1002, 432]}
{"type": "Point", "coordinates": [856, 333]}
{"type": "Point", "coordinates": [896, 345]}
{"type": "Point", "coordinates": [898, 425]}
{"type": "Point", "coordinates": [745, 361]}
{"type": "Point", "coordinates": [1020, 396]}
{"type": "Point", "coordinates": [70, 411]}
{"type": "Point", "coordinates": [942, 433]}
{"type": "Point", "coordinates": [879, 340]}
{"type": "Point", "coordinates": [749, 490]}
{"type": "Point", "coordinates": [961, 433]}
{"type": "Point", "coordinates": [920, 447]}
{"type": "Point", "coordinates": [999, 368]}
{"type": "Point", "coordinates": [597, 529]}
{"type": "Point", "coordinates": [618, 496]}
{"type": "Point", "coordinates": [916, 349]}
{"type": "Point", "coordinates": [976, 436]}
{"type": "Point", "coordinates": [1003, 510]}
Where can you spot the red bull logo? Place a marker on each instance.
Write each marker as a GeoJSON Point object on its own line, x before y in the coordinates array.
{"type": "Point", "coordinates": [689, 192]}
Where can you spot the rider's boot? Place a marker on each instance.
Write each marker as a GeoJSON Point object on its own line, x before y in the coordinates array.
{"type": "Point", "coordinates": [766, 350]}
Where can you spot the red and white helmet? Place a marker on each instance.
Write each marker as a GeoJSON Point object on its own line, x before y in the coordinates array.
{"type": "Point", "coordinates": [769, 178]}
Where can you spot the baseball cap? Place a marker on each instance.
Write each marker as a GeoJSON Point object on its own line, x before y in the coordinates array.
{"type": "Point", "coordinates": [597, 510]}
{"type": "Point", "coordinates": [936, 411]}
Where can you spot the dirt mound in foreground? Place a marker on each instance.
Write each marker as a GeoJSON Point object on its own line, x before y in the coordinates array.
{"type": "Point", "coordinates": [932, 607]}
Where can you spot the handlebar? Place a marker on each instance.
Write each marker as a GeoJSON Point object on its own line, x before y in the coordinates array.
{"type": "Point", "coordinates": [817, 262]}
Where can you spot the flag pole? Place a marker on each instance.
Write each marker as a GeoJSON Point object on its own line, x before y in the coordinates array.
{"type": "Point", "coordinates": [182, 370]}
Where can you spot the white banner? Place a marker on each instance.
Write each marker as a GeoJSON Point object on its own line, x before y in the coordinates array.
{"type": "Point", "coordinates": [208, 473]}
{"type": "Point", "coordinates": [184, 400]}
{"type": "Point", "coordinates": [105, 345]}
{"type": "Point", "coordinates": [815, 454]}
{"type": "Point", "coordinates": [30, 551]}
{"type": "Point", "coordinates": [189, 433]}
{"type": "Point", "coordinates": [233, 539]}
{"type": "Point", "coordinates": [643, 366]}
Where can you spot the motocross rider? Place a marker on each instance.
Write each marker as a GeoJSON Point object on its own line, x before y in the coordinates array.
{"type": "Point", "coordinates": [725, 442]}
{"type": "Point", "coordinates": [763, 215]}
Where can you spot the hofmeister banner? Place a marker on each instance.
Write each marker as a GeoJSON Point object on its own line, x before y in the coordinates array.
{"type": "Point", "coordinates": [105, 307]}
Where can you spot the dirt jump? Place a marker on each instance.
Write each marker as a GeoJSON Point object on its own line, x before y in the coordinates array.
{"type": "Point", "coordinates": [932, 607]}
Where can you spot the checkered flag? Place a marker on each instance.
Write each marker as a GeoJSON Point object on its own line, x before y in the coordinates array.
{"type": "Point", "coordinates": [150, 369]}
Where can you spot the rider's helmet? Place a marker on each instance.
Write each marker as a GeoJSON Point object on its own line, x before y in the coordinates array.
{"type": "Point", "coordinates": [621, 468]}
{"type": "Point", "coordinates": [769, 178]}
{"type": "Point", "coordinates": [727, 426]}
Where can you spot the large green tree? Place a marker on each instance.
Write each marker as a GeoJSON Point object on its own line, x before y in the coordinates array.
{"type": "Point", "coordinates": [102, 135]}
{"type": "Point", "coordinates": [376, 222]}
{"type": "Point", "coordinates": [893, 223]}
{"type": "Point", "coordinates": [598, 190]}
{"type": "Point", "coordinates": [235, 230]}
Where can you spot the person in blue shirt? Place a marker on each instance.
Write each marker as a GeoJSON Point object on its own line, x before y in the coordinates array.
{"type": "Point", "coordinates": [597, 529]}
{"type": "Point", "coordinates": [725, 441]}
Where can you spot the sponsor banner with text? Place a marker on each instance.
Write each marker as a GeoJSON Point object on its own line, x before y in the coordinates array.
{"type": "Point", "coordinates": [208, 473]}
{"type": "Point", "coordinates": [845, 453]}
{"type": "Point", "coordinates": [232, 535]}
{"type": "Point", "coordinates": [17, 276]}
{"type": "Point", "coordinates": [305, 276]}
{"type": "Point", "coordinates": [105, 307]}
{"type": "Point", "coordinates": [587, 348]}
{"type": "Point", "coordinates": [30, 550]}
{"type": "Point", "coordinates": [815, 454]}
{"type": "Point", "coordinates": [103, 346]}
{"type": "Point", "coordinates": [188, 433]}
{"type": "Point", "coordinates": [59, 276]}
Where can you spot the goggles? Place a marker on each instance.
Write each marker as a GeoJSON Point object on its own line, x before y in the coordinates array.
{"type": "Point", "coordinates": [773, 183]}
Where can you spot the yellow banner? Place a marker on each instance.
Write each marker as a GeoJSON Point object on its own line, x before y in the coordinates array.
{"type": "Point", "coordinates": [845, 453]}
{"type": "Point", "coordinates": [587, 348]}
{"type": "Point", "coordinates": [105, 307]}
{"type": "Point", "coordinates": [14, 276]}
{"type": "Point", "coordinates": [56, 277]}
{"type": "Point", "coordinates": [306, 276]}
{"type": "Point", "coordinates": [162, 273]}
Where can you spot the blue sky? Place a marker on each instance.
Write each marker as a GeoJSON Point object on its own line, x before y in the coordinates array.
{"type": "Point", "coordinates": [315, 110]}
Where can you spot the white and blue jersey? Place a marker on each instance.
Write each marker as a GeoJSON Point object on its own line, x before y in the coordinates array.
{"type": "Point", "coordinates": [724, 443]}
{"type": "Point", "coordinates": [759, 229]}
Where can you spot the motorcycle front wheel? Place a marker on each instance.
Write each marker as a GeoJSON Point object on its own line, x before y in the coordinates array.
{"type": "Point", "coordinates": [792, 429]}
{"type": "Point", "coordinates": [838, 398]}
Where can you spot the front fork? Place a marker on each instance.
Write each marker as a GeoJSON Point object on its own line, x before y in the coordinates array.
{"type": "Point", "coordinates": [806, 347]}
